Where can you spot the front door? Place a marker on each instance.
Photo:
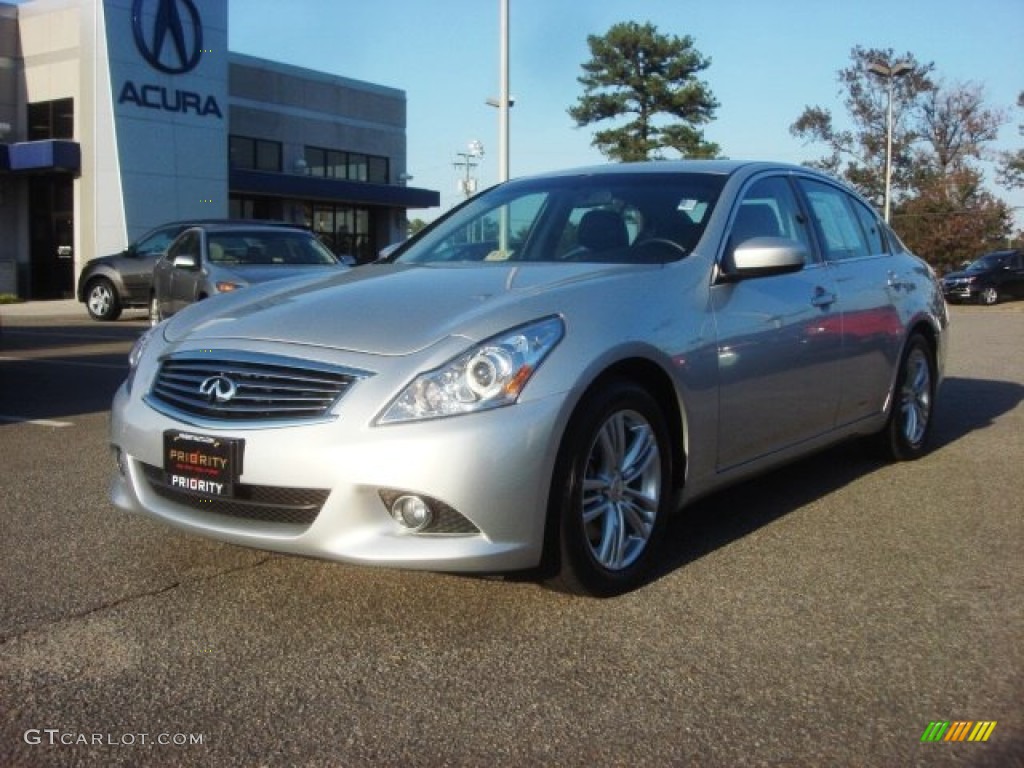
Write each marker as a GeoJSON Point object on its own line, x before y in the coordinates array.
{"type": "Point", "coordinates": [779, 338]}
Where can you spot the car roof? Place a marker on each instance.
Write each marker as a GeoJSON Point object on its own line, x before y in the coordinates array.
{"type": "Point", "coordinates": [722, 167]}
{"type": "Point", "coordinates": [241, 226]}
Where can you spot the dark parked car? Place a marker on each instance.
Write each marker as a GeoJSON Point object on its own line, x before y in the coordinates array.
{"type": "Point", "coordinates": [109, 284]}
{"type": "Point", "coordinates": [219, 258]}
{"type": "Point", "coordinates": [994, 276]}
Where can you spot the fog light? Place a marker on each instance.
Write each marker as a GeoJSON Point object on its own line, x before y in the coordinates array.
{"type": "Point", "coordinates": [412, 512]}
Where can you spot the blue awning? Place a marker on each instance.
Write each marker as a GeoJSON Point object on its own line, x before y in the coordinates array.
{"type": "Point", "coordinates": [334, 190]}
{"type": "Point", "coordinates": [49, 156]}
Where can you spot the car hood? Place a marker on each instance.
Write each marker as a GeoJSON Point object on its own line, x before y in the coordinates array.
{"type": "Point", "coordinates": [384, 309]}
{"type": "Point", "coordinates": [959, 275]}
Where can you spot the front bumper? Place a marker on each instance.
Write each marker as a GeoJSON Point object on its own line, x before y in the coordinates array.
{"type": "Point", "coordinates": [492, 469]}
{"type": "Point", "coordinates": [958, 292]}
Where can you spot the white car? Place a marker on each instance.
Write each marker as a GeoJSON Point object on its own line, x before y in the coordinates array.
{"type": "Point", "coordinates": [538, 380]}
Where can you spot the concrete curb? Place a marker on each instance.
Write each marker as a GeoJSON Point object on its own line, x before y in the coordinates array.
{"type": "Point", "coordinates": [56, 308]}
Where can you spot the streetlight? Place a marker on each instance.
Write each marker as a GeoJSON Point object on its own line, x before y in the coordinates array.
{"type": "Point", "coordinates": [470, 160]}
{"type": "Point", "coordinates": [889, 72]}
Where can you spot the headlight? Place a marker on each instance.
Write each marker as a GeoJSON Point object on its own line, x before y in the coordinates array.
{"type": "Point", "coordinates": [490, 375]}
{"type": "Point", "coordinates": [226, 287]}
{"type": "Point", "coordinates": [136, 355]}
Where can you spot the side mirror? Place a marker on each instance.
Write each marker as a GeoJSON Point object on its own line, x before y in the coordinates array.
{"type": "Point", "coordinates": [763, 256]}
{"type": "Point", "coordinates": [185, 261]}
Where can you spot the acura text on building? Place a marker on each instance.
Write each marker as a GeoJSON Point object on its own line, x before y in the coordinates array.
{"type": "Point", "coordinates": [171, 46]}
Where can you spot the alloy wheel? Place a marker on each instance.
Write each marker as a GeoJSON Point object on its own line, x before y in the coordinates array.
{"type": "Point", "coordinates": [916, 396]}
{"type": "Point", "coordinates": [621, 490]}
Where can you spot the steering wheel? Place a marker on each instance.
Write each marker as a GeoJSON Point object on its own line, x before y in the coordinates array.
{"type": "Point", "coordinates": [662, 241]}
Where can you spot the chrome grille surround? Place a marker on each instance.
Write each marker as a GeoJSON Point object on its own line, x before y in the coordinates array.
{"type": "Point", "coordinates": [263, 388]}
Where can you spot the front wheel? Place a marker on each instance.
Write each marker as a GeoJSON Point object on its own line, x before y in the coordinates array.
{"type": "Point", "coordinates": [611, 491]}
{"type": "Point", "coordinates": [101, 300]}
{"type": "Point", "coordinates": [910, 416]}
{"type": "Point", "coordinates": [988, 296]}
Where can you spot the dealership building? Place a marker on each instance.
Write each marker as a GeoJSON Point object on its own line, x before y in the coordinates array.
{"type": "Point", "coordinates": [117, 116]}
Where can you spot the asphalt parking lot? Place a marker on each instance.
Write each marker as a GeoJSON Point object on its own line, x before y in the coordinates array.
{"type": "Point", "coordinates": [824, 615]}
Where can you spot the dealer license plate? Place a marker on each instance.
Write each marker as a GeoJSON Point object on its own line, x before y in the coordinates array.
{"type": "Point", "coordinates": [201, 464]}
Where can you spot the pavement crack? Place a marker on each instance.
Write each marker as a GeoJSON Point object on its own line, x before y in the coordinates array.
{"type": "Point", "coordinates": [113, 604]}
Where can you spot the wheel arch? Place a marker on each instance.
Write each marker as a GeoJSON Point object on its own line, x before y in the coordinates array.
{"type": "Point", "coordinates": [658, 383]}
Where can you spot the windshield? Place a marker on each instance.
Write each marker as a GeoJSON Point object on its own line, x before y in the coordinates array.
{"type": "Point", "coordinates": [609, 218]}
{"type": "Point", "coordinates": [268, 249]}
{"type": "Point", "coordinates": [988, 262]}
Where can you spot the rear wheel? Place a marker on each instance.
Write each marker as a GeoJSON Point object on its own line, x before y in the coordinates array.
{"type": "Point", "coordinates": [101, 300]}
{"type": "Point", "coordinates": [611, 491]}
{"type": "Point", "coordinates": [910, 416]}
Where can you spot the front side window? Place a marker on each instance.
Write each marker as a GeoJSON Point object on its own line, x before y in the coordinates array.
{"type": "Point", "coordinates": [769, 209]}
{"type": "Point", "coordinates": [186, 245]}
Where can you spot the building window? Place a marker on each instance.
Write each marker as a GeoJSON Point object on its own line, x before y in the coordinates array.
{"type": "Point", "coordinates": [353, 166]}
{"type": "Point", "coordinates": [378, 170]}
{"type": "Point", "coordinates": [254, 154]}
{"type": "Point", "coordinates": [51, 120]}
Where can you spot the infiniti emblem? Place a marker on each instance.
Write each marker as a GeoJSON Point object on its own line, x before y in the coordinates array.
{"type": "Point", "coordinates": [186, 35]}
{"type": "Point", "coordinates": [218, 389]}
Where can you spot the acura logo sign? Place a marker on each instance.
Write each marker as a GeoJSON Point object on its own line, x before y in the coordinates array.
{"type": "Point", "coordinates": [218, 389]}
{"type": "Point", "coordinates": [168, 34]}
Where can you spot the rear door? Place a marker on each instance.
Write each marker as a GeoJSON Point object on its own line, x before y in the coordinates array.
{"type": "Point", "coordinates": [870, 285]}
{"type": "Point", "coordinates": [779, 338]}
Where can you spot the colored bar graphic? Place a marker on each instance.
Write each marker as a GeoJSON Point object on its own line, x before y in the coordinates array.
{"type": "Point", "coordinates": [982, 731]}
{"type": "Point", "coordinates": [958, 730]}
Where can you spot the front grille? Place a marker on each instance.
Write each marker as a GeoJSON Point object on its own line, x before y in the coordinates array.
{"type": "Point", "coordinates": [231, 386]}
{"type": "Point", "coordinates": [263, 503]}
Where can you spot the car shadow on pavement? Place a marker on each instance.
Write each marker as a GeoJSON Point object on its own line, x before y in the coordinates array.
{"type": "Point", "coordinates": [61, 370]}
{"type": "Point", "coordinates": [965, 406]}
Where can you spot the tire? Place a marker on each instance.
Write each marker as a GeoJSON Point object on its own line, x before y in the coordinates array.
{"type": "Point", "coordinates": [611, 492]}
{"type": "Point", "coordinates": [988, 296]}
{"type": "Point", "coordinates": [905, 435]}
{"type": "Point", "coordinates": [101, 300]}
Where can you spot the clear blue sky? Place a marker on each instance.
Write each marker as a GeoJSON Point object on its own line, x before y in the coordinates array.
{"type": "Point", "coordinates": [769, 59]}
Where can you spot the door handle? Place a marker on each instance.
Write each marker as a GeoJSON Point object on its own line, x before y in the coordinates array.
{"type": "Point", "coordinates": [823, 298]}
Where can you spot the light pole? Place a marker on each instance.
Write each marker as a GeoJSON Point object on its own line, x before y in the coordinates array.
{"type": "Point", "coordinates": [469, 161]}
{"type": "Point", "coordinates": [889, 72]}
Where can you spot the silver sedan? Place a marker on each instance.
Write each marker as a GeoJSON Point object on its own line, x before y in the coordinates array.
{"type": "Point", "coordinates": [539, 379]}
{"type": "Point", "coordinates": [212, 258]}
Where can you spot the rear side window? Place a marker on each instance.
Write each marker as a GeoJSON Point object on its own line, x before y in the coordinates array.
{"type": "Point", "coordinates": [841, 232]}
{"type": "Point", "coordinates": [871, 226]}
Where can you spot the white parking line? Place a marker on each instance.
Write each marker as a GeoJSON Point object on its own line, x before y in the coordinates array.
{"type": "Point", "coordinates": [36, 422]}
